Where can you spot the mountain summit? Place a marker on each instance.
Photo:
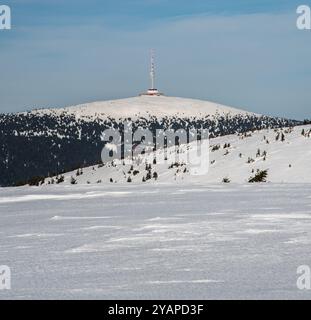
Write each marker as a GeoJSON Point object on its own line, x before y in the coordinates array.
{"type": "Point", "coordinates": [147, 106]}
{"type": "Point", "coordinates": [48, 142]}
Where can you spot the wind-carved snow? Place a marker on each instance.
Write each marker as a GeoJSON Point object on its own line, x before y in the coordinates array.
{"type": "Point", "coordinates": [69, 196]}
{"type": "Point", "coordinates": [208, 241]}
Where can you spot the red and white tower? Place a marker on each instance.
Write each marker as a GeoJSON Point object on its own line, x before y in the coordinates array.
{"type": "Point", "coordinates": [152, 91]}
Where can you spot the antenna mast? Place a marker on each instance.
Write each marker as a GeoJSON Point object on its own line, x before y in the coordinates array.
{"type": "Point", "coordinates": [152, 69]}
{"type": "Point", "coordinates": [152, 91]}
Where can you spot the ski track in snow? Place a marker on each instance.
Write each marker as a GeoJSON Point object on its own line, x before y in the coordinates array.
{"type": "Point", "coordinates": [156, 241]}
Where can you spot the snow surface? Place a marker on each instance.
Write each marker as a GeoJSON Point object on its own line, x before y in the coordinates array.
{"type": "Point", "coordinates": [155, 241]}
{"type": "Point", "coordinates": [287, 161]}
{"type": "Point", "coordinates": [146, 106]}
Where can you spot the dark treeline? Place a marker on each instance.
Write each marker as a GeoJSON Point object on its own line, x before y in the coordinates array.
{"type": "Point", "coordinates": [34, 145]}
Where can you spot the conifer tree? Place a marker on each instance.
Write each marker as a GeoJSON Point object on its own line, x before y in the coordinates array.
{"type": "Point", "coordinates": [260, 176]}
{"type": "Point", "coordinates": [73, 180]}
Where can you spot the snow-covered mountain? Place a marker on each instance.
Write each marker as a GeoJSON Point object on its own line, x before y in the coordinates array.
{"type": "Point", "coordinates": [146, 106]}
{"type": "Point", "coordinates": [284, 153]}
{"type": "Point", "coordinates": [46, 142]}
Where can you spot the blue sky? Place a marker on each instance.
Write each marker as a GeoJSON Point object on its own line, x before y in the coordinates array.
{"type": "Point", "coordinates": [247, 54]}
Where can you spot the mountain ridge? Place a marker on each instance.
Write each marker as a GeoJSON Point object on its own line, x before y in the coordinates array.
{"type": "Point", "coordinates": [47, 142]}
{"type": "Point", "coordinates": [142, 106]}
